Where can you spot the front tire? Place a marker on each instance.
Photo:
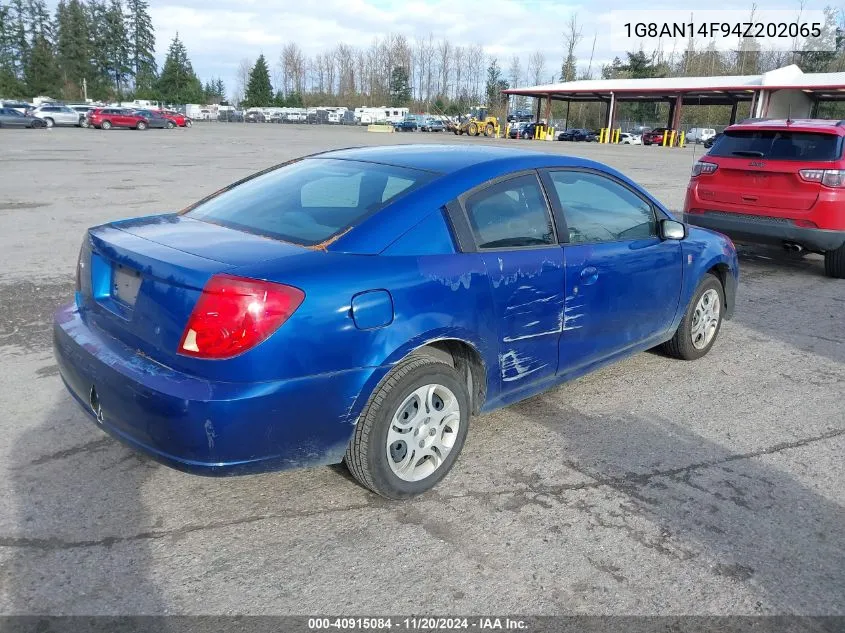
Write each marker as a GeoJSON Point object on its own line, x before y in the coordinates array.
{"type": "Point", "coordinates": [141, 126]}
{"type": "Point", "coordinates": [412, 429]}
{"type": "Point", "coordinates": [834, 263]}
{"type": "Point", "coordinates": [188, 123]}
{"type": "Point", "coordinates": [489, 130]}
{"type": "Point", "coordinates": [49, 122]}
{"type": "Point", "coordinates": [701, 324]}
{"type": "Point", "coordinates": [170, 125]}
{"type": "Point", "coordinates": [105, 125]}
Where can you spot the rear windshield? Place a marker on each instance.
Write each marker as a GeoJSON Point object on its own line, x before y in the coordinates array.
{"type": "Point", "coordinates": [308, 201]}
{"type": "Point", "coordinates": [778, 145]}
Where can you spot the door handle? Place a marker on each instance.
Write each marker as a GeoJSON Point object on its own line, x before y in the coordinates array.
{"type": "Point", "coordinates": [589, 275]}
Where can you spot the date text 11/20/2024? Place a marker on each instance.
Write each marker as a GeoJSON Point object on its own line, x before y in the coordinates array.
{"type": "Point", "coordinates": [417, 624]}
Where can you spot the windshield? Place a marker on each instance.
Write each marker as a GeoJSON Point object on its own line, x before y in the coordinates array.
{"type": "Point", "coordinates": [778, 145]}
{"type": "Point", "coordinates": [308, 201]}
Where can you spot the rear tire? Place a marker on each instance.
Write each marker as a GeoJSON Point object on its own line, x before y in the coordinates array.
{"type": "Point", "coordinates": [170, 125]}
{"type": "Point", "coordinates": [188, 123]}
{"type": "Point", "coordinates": [379, 456]}
{"type": "Point", "coordinates": [834, 263]}
{"type": "Point", "coordinates": [49, 122]}
{"type": "Point", "coordinates": [699, 328]}
{"type": "Point", "coordinates": [141, 126]}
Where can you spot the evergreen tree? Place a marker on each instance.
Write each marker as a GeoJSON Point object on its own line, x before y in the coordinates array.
{"type": "Point", "coordinates": [10, 84]}
{"type": "Point", "coordinates": [19, 38]}
{"type": "Point", "coordinates": [178, 83]}
{"type": "Point", "coordinates": [116, 39]}
{"type": "Point", "coordinates": [400, 87]}
{"type": "Point", "coordinates": [259, 92]}
{"type": "Point", "coordinates": [73, 50]}
{"type": "Point", "coordinates": [41, 72]}
{"type": "Point", "coordinates": [142, 42]}
{"type": "Point", "coordinates": [495, 85]}
{"type": "Point", "coordinates": [100, 86]}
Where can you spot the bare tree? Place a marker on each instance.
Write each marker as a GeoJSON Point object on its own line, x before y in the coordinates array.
{"type": "Point", "coordinates": [459, 70]}
{"type": "Point", "coordinates": [244, 69]}
{"type": "Point", "coordinates": [475, 65]}
{"type": "Point", "coordinates": [571, 38]}
{"type": "Point", "coordinates": [515, 77]}
{"type": "Point", "coordinates": [444, 52]}
{"type": "Point", "coordinates": [537, 67]}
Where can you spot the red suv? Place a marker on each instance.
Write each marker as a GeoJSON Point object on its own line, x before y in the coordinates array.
{"type": "Point", "coordinates": [107, 118]}
{"type": "Point", "coordinates": [775, 182]}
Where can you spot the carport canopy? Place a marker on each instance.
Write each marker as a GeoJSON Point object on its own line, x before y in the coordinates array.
{"type": "Point", "coordinates": [781, 92]}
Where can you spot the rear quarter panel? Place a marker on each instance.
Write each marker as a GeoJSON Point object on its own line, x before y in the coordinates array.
{"type": "Point", "coordinates": [434, 297]}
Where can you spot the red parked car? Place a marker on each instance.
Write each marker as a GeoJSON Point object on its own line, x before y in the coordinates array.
{"type": "Point", "coordinates": [107, 118]}
{"type": "Point", "coordinates": [778, 183]}
{"type": "Point", "coordinates": [655, 136]}
{"type": "Point", "coordinates": [177, 117]}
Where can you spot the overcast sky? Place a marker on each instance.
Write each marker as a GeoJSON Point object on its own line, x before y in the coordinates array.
{"type": "Point", "coordinates": [219, 35]}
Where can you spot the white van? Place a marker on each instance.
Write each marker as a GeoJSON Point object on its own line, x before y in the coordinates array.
{"type": "Point", "coordinates": [700, 134]}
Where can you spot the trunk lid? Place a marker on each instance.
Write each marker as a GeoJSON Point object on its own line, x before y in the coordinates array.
{"type": "Point", "coordinates": [756, 182]}
{"type": "Point", "coordinates": [140, 279]}
{"type": "Point", "coordinates": [760, 168]}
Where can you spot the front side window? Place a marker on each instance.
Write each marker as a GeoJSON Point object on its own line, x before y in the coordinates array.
{"type": "Point", "coordinates": [308, 201]}
{"type": "Point", "coordinates": [512, 213]}
{"type": "Point", "coordinates": [598, 209]}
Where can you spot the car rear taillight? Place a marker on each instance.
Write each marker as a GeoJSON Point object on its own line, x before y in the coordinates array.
{"type": "Point", "coordinates": [235, 314]}
{"type": "Point", "coordinates": [827, 177]}
{"type": "Point", "coordinates": [703, 167]}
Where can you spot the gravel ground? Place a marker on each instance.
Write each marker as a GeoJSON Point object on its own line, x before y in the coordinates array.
{"type": "Point", "coordinates": [650, 487]}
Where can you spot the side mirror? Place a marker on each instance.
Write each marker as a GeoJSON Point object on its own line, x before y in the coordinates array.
{"type": "Point", "coordinates": [672, 230]}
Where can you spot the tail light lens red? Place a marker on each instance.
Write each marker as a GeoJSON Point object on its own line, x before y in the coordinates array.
{"type": "Point", "coordinates": [703, 167]}
{"type": "Point", "coordinates": [234, 314]}
{"type": "Point", "coordinates": [828, 177]}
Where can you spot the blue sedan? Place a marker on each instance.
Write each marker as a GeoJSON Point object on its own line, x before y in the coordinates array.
{"type": "Point", "coordinates": [361, 305]}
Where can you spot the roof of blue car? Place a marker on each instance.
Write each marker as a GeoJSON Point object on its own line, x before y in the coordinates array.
{"type": "Point", "coordinates": [442, 158]}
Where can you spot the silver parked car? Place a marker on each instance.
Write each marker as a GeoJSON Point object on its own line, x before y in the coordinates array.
{"type": "Point", "coordinates": [13, 118]}
{"type": "Point", "coordinates": [57, 115]}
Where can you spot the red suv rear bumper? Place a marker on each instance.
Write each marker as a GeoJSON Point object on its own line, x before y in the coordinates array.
{"type": "Point", "coordinates": [765, 230]}
{"type": "Point", "coordinates": [819, 229]}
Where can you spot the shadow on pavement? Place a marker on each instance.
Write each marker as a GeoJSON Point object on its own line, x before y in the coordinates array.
{"type": "Point", "coordinates": [79, 530]}
{"type": "Point", "coordinates": [687, 498]}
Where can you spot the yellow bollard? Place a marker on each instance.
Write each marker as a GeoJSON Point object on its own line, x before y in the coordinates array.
{"type": "Point", "coordinates": [601, 135]}
{"type": "Point", "coordinates": [508, 131]}
{"type": "Point", "coordinates": [672, 139]}
{"type": "Point", "coordinates": [616, 134]}
{"type": "Point", "coordinates": [683, 142]}
{"type": "Point", "coordinates": [665, 137]}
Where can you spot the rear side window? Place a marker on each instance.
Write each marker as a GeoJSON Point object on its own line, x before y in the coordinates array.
{"type": "Point", "coordinates": [308, 201]}
{"type": "Point", "coordinates": [778, 145]}
{"type": "Point", "coordinates": [510, 214]}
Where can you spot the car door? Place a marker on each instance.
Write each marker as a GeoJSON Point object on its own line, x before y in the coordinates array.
{"type": "Point", "coordinates": [66, 116]}
{"type": "Point", "coordinates": [623, 282]}
{"type": "Point", "coordinates": [511, 226]}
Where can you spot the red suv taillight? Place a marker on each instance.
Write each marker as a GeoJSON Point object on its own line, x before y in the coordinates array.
{"type": "Point", "coordinates": [827, 177]}
{"type": "Point", "coordinates": [703, 167]}
{"type": "Point", "coordinates": [235, 314]}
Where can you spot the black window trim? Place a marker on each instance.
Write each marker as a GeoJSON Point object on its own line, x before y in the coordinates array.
{"type": "Point", "coordinates": [545, 176]}
{"type": "Point", "coordinates": [459, 219]}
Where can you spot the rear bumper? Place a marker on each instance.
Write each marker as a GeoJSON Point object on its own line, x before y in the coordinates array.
{"type": "Point", "coordinates": [762, 230]}
{"type": "Point", "coordinates": [200, 426]}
